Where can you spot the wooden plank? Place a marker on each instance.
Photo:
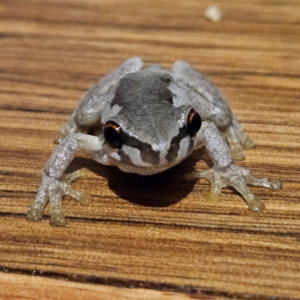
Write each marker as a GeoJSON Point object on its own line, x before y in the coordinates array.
{"type": "Point", "coordinates": [33, 287]}
{"type": "Point", "coordinates": [150, 233]}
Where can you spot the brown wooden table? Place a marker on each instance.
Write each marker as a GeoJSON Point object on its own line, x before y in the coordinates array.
{"type": "Point", "coordinates": [156, 237]}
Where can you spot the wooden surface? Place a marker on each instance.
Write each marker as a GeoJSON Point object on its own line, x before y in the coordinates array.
{"type": "Point", "coordinates": [154, 237]}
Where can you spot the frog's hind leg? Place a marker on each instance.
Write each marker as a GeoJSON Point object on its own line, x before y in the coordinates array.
{"type": "Point", "coordinates": [236, 139]}
{"type": "Point", "coordinates": [209, 102]}
{"type": "Point", "coordinates": [244, 139]}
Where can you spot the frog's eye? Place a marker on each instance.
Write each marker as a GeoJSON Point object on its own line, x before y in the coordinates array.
{"type": "Point", "coordinates": [113, 134]}
{"type": "Point", "coordinates": [193, 122]}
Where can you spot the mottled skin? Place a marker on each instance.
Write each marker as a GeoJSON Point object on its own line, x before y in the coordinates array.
{"type": "Point", "coordinates": [153, 109]}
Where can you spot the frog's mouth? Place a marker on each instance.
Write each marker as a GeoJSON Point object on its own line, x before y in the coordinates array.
{"type": "Point", "coordinates": [145, 169]}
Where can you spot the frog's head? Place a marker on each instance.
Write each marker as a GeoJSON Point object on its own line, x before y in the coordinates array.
{"type": "Point", "coordinates": [152, 127]}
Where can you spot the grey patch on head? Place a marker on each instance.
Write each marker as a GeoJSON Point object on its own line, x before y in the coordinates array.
{"type": "Point", "coordinates": [147, 112]}
{"type": "Point", "coordinates": [154, 85]}
{"type": "Point", "coordinates": [124, 157]}
{"type": "Point", "coordinates": [148, 155]}
{"type": "Point", "coordinates": [166, 95]}
{"type": "Point", "coordinates": [175, 144]}
{"type": "Point", "coordinates": [180, 96]}
{"type": "Point", "coordinates": [117, 99]}
{"type": "Point", "coordinates": [163, 92]}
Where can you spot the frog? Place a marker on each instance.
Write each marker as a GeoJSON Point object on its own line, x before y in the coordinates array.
{"type": "Point", "coordinates": [145, 120]}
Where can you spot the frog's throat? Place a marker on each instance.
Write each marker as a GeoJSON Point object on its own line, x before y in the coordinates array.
{"type": "Point", "coordinates": [150, 170]}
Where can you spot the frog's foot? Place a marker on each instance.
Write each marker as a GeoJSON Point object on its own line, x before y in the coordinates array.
{"type": "Point", "coordinates": [237, 141]}
{"type": "Point", "coordinates": [237, 178]}
{"type": "Point", "coordinates": [53, 190]}
{"type": "Point", "coordinates": [245, 141]}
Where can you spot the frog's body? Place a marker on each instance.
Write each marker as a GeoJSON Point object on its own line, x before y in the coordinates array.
{"type": "Point", "coordinates": [146, 121]}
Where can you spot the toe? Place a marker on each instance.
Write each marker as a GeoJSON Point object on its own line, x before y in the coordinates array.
{"type": "Point", "coordinates": [275, 184]}
{"type": "Point", "coordinates": [247, 143]}
{"type": "Point", "coordinates": [58, 219]}
{"type": "Point", "coordinates": [213, 197]}
{"type": "Point", "coordinates": [35, 214]}
{"type": "Point", "coordinates": [85, 199]}
{"type": "Point", "coordinates": [237, 154]}
{"type": "Point", "coordinates": [256, 205]}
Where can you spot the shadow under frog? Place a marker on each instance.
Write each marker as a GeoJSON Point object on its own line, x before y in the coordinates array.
{"type": "Point", "coordinates": [158, 190]}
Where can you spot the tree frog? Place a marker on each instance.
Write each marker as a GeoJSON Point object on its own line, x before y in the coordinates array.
{"type": "Point", "coordinates": [147, 120]}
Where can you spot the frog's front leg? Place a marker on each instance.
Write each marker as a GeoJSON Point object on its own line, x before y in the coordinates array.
{"type": "Point", "coordinates": [209, 102]}
{"type": "Point", "coordinates": [225, 173]}
{"type": "Point", "coordinates": [55, 185]}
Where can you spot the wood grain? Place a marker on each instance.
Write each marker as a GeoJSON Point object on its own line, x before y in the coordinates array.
{"type": "Point", "coordinates": [32, 287]}
{"type": "Point", "coordinates": [149, 237]}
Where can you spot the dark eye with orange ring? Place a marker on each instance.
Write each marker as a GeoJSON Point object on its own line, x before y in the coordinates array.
{"type": "Point", "coordinates": [113, 134]}
{"type": "Point", "coordinates": [193, 122]}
